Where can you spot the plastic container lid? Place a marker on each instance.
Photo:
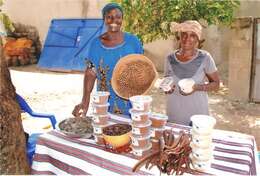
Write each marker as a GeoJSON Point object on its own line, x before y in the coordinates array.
{"type": "Point", "coordinates": [159, 116]}
{"type": "Point", "coordinates": [203, 121]}
{"type": "Point", "coordinates": [101, 93]}
{"type": "Point", "coordinates": [100, 105]}
{"type": "Point", "coordinates": [141, 98]}
{"type": "Point", "coordinates": [147, 124]}
{"type": "Point", "coordinates": [141, 137]}
{"type": "Point", "coordinates": [158, 129]}
{"type": "Point", "coordinates": [131, 111]}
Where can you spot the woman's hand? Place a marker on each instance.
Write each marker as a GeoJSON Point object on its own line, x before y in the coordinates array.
{"type": "Point", "coordinates": [80, 110]}
{"type": "Point", "coordinates": [186, 94]}
{"type": "Point", "coordinates": [171, 90]}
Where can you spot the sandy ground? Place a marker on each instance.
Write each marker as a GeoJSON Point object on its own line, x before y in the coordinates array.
{"type": "Point", "coordinates": [57, 93]}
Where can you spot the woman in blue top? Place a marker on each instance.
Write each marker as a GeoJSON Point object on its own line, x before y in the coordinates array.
{"type": "Point", "coordinates": [104, 53]}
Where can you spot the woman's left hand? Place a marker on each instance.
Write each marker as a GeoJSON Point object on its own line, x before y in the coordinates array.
{"type": "Point", "coordinates": [186, 94]}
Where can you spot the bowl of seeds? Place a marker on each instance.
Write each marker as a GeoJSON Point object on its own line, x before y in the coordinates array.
{"type": "Point", "coordinates": [76, 127]}
{"type": "Point", "coordinates": [117, 135]}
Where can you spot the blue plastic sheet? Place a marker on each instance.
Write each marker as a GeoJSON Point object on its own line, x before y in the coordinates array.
{"type": "Point", "coordinates": [67, 43]}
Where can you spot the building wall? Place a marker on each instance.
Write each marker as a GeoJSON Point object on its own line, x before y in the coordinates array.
{"type": "Point", "coordinates": [240, 59]}
{"type": "Point", "coordinates": [40, 12]}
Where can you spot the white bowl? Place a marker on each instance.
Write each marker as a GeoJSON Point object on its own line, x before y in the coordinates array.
{"type": "Point", "coordinates": [186, 85]}
{"type": "Point", "coordinates": [203, 124]}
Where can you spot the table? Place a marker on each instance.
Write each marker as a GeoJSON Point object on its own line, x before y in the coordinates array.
{"type": "Point", "coordinates": [234, 153]}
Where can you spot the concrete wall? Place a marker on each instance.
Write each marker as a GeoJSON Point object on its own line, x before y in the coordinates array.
{"type": "Point", "coordinates": [217, 40]}
{"type": "Point", "coordinates": [240, 59]}
{"type": "Point", "coordinates": [40, 12]}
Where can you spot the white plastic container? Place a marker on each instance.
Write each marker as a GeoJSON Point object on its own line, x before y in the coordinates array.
{"type": "Point", "coordinates": [141, 152]}
{"type": "Point", "coordinates": [157, 133]}
{"type": "Point", "coordinates": [99, 139]}
{"type": "Point", "coordinates": [156, 145]}
{"type": "Point", "coordinates": [141, 102]}
{"type": "Point", "coordinates": [186, 85]}
{"type": "Point", "coordinates": [202, 154]}
{"type": "Point", "coordinates": [166, 83]}
{"type": "Point", "coordinates": [200, 165]}
{"type": "Point", "coordinates": [100, 97]}
{"type": "Point", "coordinates": [201, 141]}
{"type": "Point", "coordinates": [98, 129]}
{"type": "Point", "coordinates": [158, 120]}
{"type": "Point", "coordinates": [139, 117]}
{"type": "Point", "coordinates": [203, 124]}
{"type": "Point", "coordinates": [101, 119]}
{"type": "Point", "coordinates": [100, 109]}
{"type": "Point", "coordinates": [141, 129]}
{"type": "Point", "coordinates": [140, 141]}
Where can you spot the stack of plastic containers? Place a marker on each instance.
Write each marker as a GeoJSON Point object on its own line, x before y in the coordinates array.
{"type": "Point", "coordinates": [141, 124]}
{"type": "Point", "coordinates": [202, 148]}
{"type": "Point", "coordinates": [100, 114]}
{"type": "Point", "coordinates": [158, 126]}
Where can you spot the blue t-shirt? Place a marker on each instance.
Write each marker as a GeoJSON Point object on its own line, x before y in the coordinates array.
{"type": "Point", "coordinates": [105, 58]}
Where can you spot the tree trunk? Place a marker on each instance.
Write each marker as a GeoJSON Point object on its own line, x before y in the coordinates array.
{"type": "Point", "coordinates": [13, 158]}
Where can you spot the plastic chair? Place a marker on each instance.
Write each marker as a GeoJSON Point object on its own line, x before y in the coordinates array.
{"type": "Point", "coordinates": [26, 108]}
{"type": "Point", "coordinates": [33, 137]}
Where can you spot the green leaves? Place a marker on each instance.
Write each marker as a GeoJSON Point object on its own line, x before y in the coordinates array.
{"type": "Point", "coordinates": [5, 20]}
{"type": "Point", "coordinates": [150, 19]}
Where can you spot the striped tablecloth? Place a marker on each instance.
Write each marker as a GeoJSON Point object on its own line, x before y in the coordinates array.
{"type": "Point", "coordinates": [56, 153]}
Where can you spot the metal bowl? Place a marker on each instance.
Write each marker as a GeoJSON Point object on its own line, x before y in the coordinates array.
{"type": "Point", "coordinates": [76, 127]}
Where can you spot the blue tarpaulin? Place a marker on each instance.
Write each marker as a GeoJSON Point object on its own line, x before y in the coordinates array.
{"type": "Point", "coordinates": [67, 43]}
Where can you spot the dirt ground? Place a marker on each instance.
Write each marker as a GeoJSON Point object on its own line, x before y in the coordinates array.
{"type": "Point", "coordinates": [57, 93]}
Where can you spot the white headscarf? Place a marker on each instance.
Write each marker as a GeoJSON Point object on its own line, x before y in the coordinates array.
{"type": "Point", "coordinates": [189, 25]}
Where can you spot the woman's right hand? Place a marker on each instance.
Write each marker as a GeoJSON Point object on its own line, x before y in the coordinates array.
{"type": "Point", "coordinates": [80, 110]}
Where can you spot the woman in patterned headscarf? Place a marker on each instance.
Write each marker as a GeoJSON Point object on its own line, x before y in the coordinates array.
{"type": "Point", "coordinates": [104, 53]}
{"type": "Point", "coordinates": [194, 63]}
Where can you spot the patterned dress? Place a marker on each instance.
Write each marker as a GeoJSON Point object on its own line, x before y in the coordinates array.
{"type": "Point", "coordinates": [104, 59]}
{"type": "Point", "coordinates": [180, 108]}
